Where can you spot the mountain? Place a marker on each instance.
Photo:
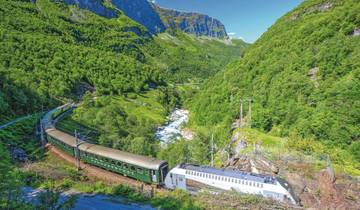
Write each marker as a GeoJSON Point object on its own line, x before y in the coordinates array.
{"type": "Point", "coordinates": [48, 49]}
{"type": "Point", "coordinates": [192, 23]}
{"type": "Point", "coordinates": [155, 18]}
{"type": "Point", "coordinates": [51, 50]}
{"type": "Point", "coordinates": [142, 12]}
{"type": "Point", "coordinates": [303, 76]}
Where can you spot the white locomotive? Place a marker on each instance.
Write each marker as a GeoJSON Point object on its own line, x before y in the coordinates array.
{"type": "Point", "coordinates": [191, 177]}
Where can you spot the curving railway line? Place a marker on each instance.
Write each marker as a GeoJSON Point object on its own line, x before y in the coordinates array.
{"type": "Point", "coordinates": [142, 168]}
{"type": "Point", "coordinates": [156, 172]}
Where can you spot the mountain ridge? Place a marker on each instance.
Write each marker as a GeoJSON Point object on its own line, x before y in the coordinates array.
{"type": "Point", "coordinates": [155, 18]}
{"type": "Point", "coordinates": [191, 22]}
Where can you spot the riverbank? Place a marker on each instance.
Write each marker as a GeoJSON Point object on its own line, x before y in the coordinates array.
{"type": "Point", "coordinates": [173, 129]}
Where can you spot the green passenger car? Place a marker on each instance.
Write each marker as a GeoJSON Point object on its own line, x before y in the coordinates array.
{"type": "Point", "coordinates": [143, 168]}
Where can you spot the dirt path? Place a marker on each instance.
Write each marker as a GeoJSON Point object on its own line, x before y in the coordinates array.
{"type": "Point", "coordinates": [96, 174]}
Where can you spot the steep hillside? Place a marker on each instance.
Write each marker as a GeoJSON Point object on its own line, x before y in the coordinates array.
{"type": "Point", "coordinates": [303, 75]}
{"type": "Point", "coordinates": [191, 23]}
{"type": "Point", "coordinates": [47, 49]}
{"type": "Point", "coordinates": [52, 51]}
{"type": "Point", "coordinates": [187, 58]}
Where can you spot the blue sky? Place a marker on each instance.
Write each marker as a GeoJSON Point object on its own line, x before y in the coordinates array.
{"type": "Point", "coordinates": [247, 19]}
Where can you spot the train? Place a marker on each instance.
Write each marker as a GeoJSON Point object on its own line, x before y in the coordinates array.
{"type": "Point", "coordinates": [149, 170]}
{"type": "Point", "coordinates": [191, 177]}
{"type": "Point", "coordinates": [142, 168]}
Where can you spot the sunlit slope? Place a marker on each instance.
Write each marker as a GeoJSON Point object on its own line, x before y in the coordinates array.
{"type": "Point", "coordinates": [303, 75]}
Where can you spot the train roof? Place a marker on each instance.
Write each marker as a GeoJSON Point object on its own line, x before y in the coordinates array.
{"type": "Point", "coordinates": [62, 136]}
{"type": "Point", "coordinates": [133, 159]}
{"type": "Point", "coordinates": [234, 173]}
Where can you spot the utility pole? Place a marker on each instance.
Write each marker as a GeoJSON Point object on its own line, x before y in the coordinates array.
{"type": "Point", "coordinates": [77, 151]}
{"type": "Point", "coordinates": [42, 135]}
{"type": "Point", "coordinates": [241, 113]}
{"type": "Point", "coordinates": [250, 112]}
{"type": "Point", "coordinates": [212, 150]}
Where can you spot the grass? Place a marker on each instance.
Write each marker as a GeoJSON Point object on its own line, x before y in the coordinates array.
{"type": "Point", "coordinates": [145, 105]}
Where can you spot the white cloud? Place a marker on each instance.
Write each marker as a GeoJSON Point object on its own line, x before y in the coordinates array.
{"type": "Point", "coordinates": [231, 33]}
{"type": "Point", "coordinates": [153, 1]}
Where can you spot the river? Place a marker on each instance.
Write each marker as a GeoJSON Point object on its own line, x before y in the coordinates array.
{"type": "Point", "coordinates": [90, 202]}
{"type": "Point", "coordinates": [172, 130]}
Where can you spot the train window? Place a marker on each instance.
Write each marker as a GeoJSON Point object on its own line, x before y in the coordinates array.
{"type": "Point", "coordinates": [132, 168]}
{"type": "Point", "coordinates": [262, 185]}
{"type": "Point", "coordinates": [139, 170]}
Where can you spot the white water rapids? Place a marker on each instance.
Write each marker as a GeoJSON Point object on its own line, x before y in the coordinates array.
{"type": "Point", "coordinates": [172, 130]}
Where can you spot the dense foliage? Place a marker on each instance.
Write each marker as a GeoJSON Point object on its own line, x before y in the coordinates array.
{"type": "Point", "coordinates": [50, 50]}
{"type": "Point", "coordinates": [303, 75]}
{"type": "Point", "coordinates": [187, 58]}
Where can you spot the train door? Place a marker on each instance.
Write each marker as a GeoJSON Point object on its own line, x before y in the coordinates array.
{"type": "Point", "coordinates": [163, 173]}
{"type": "Point", "coordinates": [153, 176]}
{"type": "Point", "coordinates": [179, 181]}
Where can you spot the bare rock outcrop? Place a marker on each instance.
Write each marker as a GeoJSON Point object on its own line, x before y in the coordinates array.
{"type": "Point", "coordinates": [323, 191]}
{"type": "Point", "coordinates": [316, 8]}
{"type": "Point", "coordinates": [256, 164]}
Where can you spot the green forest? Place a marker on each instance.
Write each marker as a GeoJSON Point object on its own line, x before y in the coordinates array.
{"type": "Point", "coordinates": [51, 51]}
{"type": "Point", "coordinates": [303, 76]}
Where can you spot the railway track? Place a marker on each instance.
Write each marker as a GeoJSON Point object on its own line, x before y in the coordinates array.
{"type": "Point", "coordinates": [98, 174]}
{"type": "Point", "coordinates": [93, 172]}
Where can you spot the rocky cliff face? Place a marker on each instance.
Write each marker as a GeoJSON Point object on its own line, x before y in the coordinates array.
{"type": "Point", "coordinates": [142, 12]}
{"type": "Point", "coordinates": [94, 6]}
{"type": "Point", "coordinates": [155, 18]}
{"type": "Point", "coordinates": [192, 23]}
